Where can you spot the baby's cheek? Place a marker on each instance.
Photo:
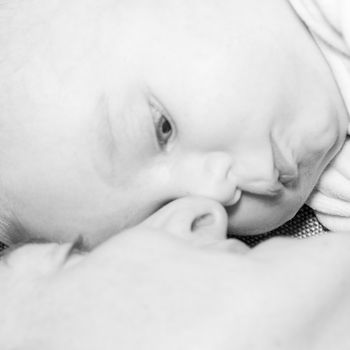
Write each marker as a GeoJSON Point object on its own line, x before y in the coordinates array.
{"type": "Point", "coordinates": [329, 135]}
{"type": "Point", "coordinates": [258, 214]}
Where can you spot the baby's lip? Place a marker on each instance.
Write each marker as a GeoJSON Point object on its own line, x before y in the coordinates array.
{"type": "Point", "coordinates": [263, 187]}
{"type": "Point", "coordinates": [287, 168]}
{"type": "Point", "coordinates": [285, 173]}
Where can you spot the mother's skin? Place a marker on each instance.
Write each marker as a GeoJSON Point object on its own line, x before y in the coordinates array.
{"type": "Point", "coordinates": [162, 285]}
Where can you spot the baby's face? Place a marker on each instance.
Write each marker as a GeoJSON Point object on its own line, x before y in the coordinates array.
{"type": "Point", "coordinates": [120, 109]}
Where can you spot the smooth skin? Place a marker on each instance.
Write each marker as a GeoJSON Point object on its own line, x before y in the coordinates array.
{"type": "Point", "coordinates": [163, 286]}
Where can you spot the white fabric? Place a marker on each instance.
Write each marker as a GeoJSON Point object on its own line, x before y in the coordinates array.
{"type": "Point", "coordinates": [329, 22]}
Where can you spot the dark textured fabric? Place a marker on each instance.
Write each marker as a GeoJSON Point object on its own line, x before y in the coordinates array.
{"type": "Point", "coordinates": [2, 246]}
{"type": "Point", "coordinates": [303, 225]}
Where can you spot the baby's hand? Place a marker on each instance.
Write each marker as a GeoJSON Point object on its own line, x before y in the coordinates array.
{"type": "Point", "coordinates": [331, 197]}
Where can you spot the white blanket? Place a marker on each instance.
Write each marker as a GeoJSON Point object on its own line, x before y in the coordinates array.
{"type": "Point", "coordinates": [329, 22]}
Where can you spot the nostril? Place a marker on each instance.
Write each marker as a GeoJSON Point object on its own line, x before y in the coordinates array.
{"type": "Point", "coordinates": [202, 221]}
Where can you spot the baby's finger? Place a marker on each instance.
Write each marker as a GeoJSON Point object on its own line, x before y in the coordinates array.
{"type": "Point", "coordinates": [334, 223]}
{"type": "Point", "coordinates": [334, 184]}
{"type": "Point", "coordinates": [328, 205]}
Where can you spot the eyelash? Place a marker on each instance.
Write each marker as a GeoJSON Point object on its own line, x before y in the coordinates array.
{"type": "Point", "coordinates": [164, 127]}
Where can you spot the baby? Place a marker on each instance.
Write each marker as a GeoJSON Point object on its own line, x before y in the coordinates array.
{"type": "Point", "coordinates": [110, 109]}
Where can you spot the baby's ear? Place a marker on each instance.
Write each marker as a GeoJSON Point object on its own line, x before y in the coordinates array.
{"type": "Point", "coordinates": [196, 219]}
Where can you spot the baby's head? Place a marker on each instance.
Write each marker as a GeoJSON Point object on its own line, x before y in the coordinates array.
{"type": "Point", "coordinates": [111, 108]}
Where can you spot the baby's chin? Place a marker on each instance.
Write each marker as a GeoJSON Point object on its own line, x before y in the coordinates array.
{"type": "Point", "coordinates": [255, 215]}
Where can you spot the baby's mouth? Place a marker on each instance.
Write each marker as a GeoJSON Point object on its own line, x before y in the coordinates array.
{"type": "Point", "coordinates": [285, 175]}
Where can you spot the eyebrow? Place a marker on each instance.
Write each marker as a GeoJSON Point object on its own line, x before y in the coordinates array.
{"type": "Point", "coordinates": [123, 132]}
{"type": "Point", "coordinates": [114, 128]}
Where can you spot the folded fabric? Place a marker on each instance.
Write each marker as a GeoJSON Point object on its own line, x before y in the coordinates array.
{"type": "Point", "coordinates": [331, 197]}
{"type": "Point", "coordinates": [329, 23]}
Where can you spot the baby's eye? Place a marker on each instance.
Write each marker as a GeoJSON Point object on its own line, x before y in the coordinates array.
{"type": "Point", "coordinates": [164, 131]}
{"type": "Point", "coordinates": [164, 127]}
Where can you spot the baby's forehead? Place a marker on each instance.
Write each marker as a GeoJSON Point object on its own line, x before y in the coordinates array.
{"type": "Point", "coordinates": [69, 32]}
{"type": "Point", "coordinates": [99, 42]}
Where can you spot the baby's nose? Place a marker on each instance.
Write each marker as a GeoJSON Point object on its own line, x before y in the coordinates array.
{"type": "Point", "coordinates": [196, 219]}
{"type": "Point", "coordinates": [209, 175]}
